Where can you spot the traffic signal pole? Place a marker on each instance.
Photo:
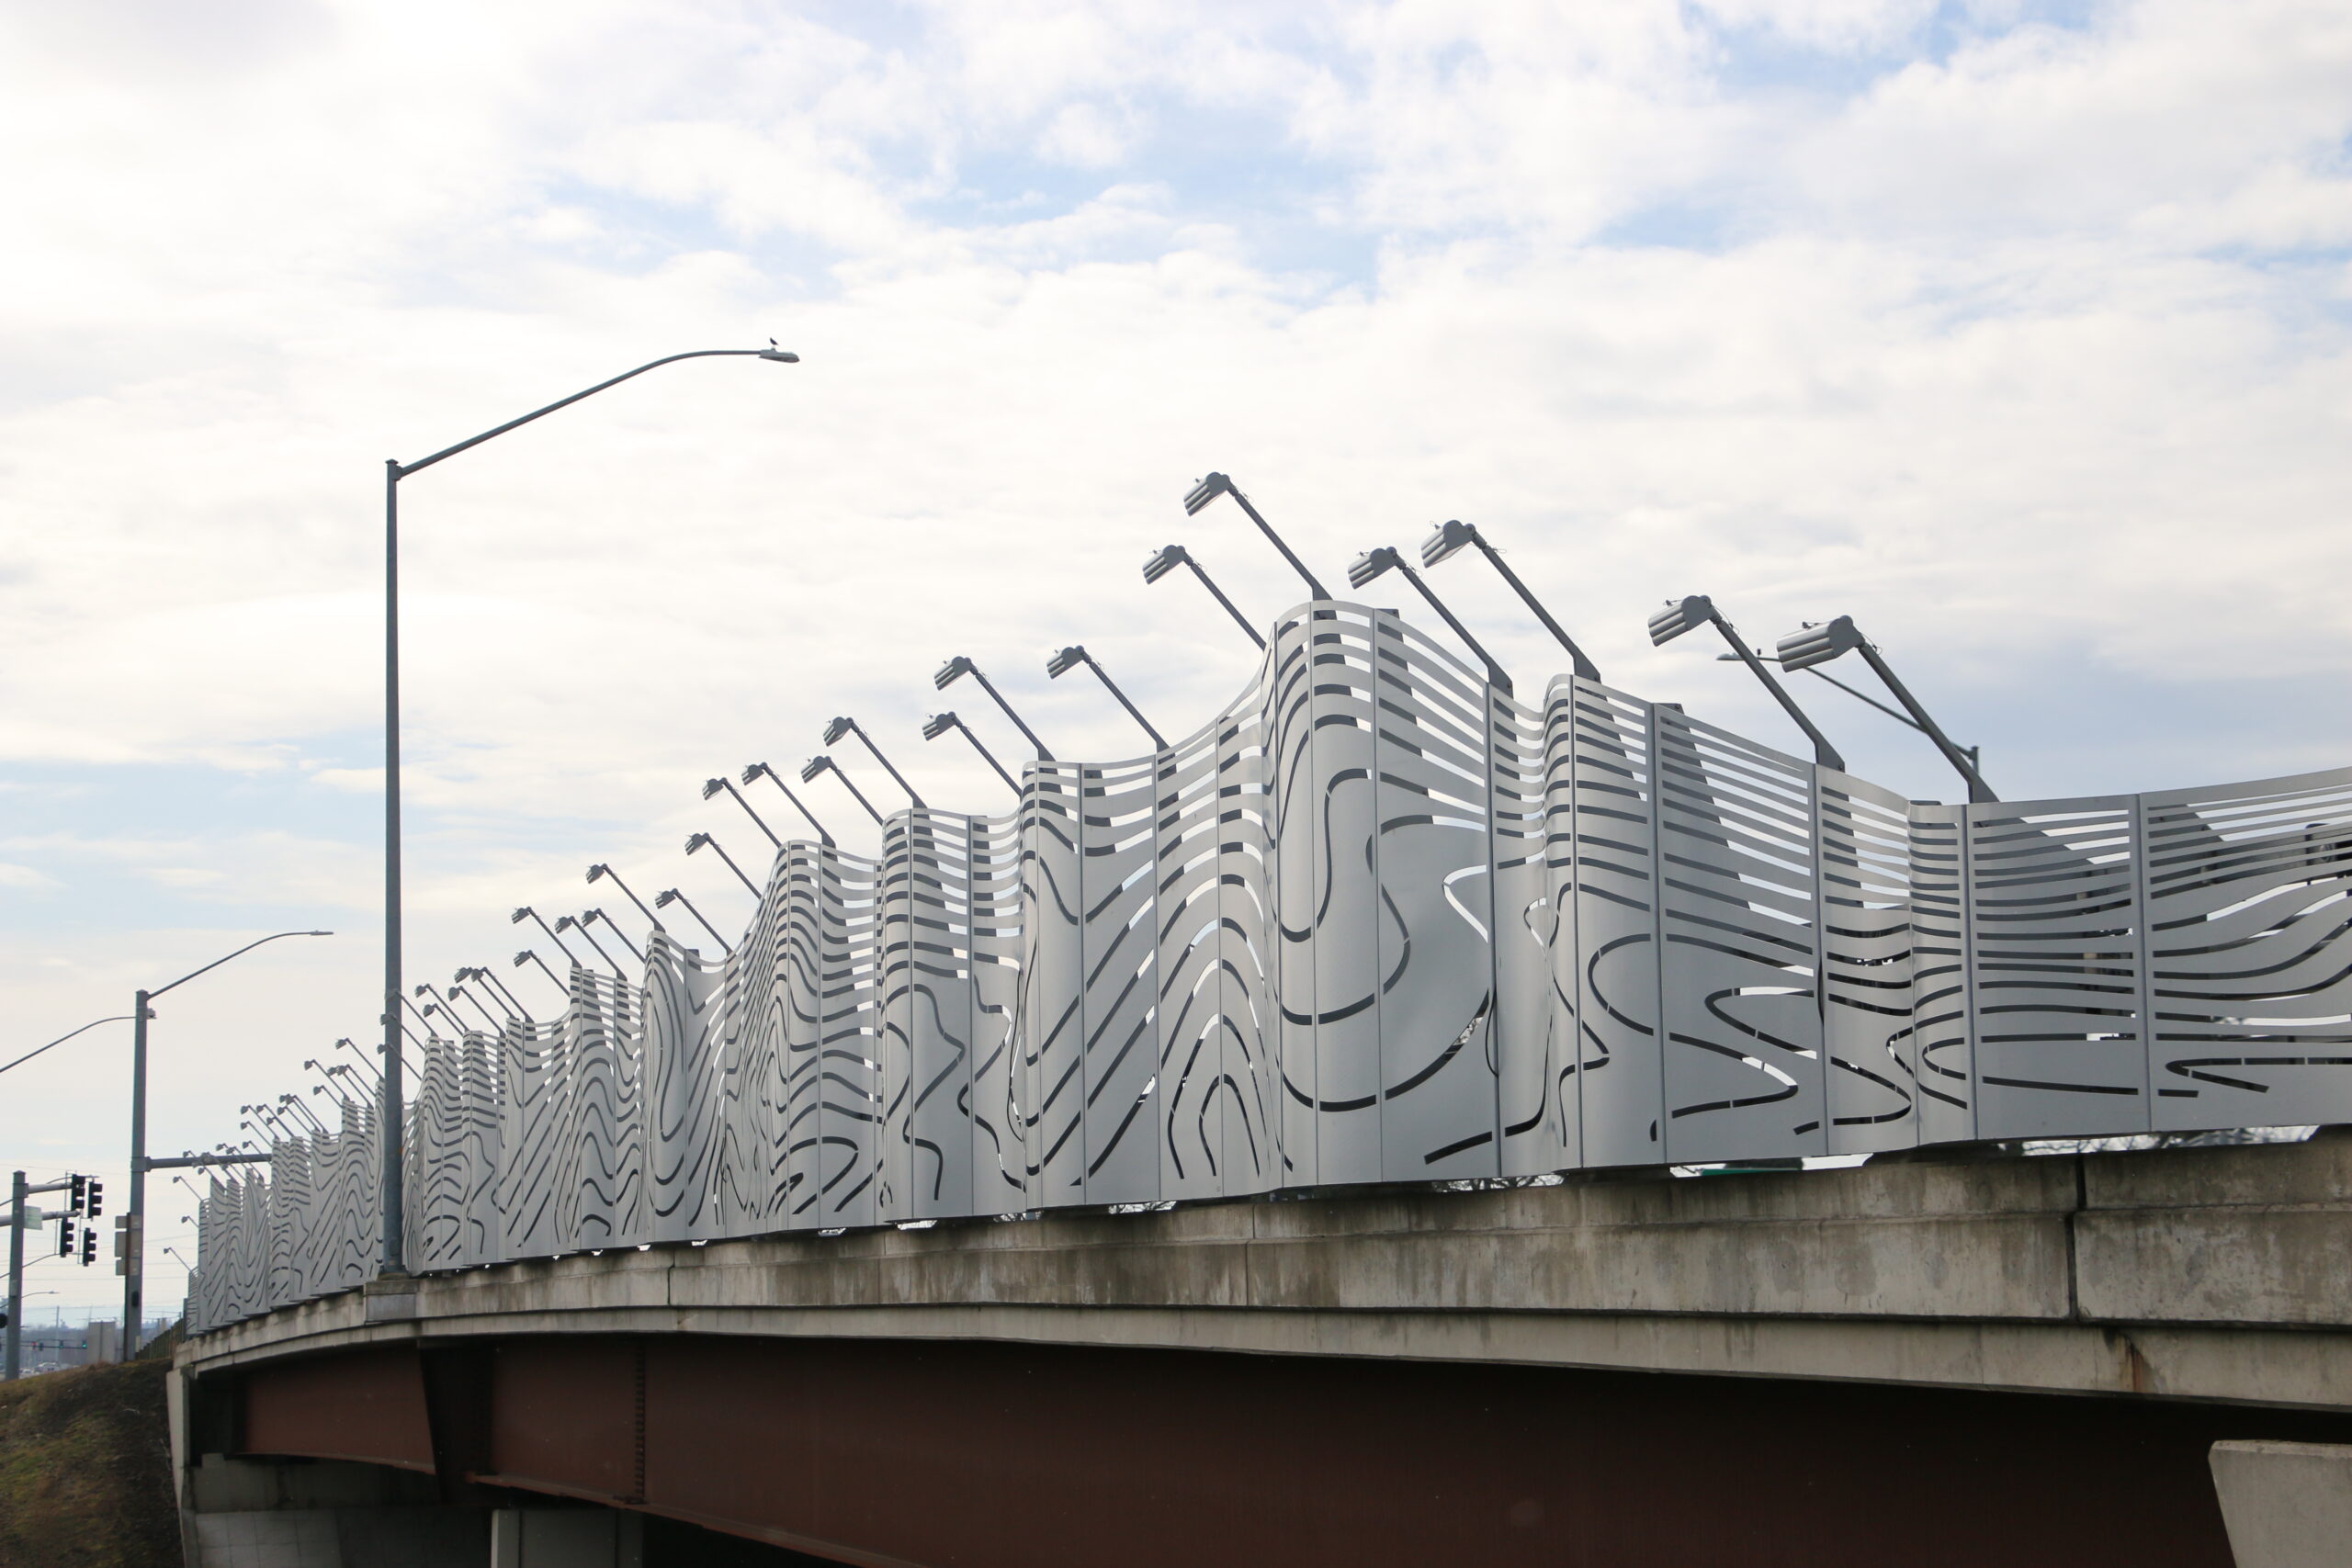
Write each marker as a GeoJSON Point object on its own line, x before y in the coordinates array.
{"type": "Point", "coordinates": [17, 1193]}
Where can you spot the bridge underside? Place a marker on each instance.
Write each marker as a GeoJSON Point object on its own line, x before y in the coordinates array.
{"type": "Point", "coordinates": [970, 1453]}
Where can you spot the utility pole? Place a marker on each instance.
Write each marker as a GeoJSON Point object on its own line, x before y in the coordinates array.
{"type": "Point", "coordinates": [16, 1273]}
{"type": "Point", "coordinates": [17, 1209]}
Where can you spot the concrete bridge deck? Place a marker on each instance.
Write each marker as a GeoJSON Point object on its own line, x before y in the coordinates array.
{"type": "Point", "coordinates": [2205, 1274]}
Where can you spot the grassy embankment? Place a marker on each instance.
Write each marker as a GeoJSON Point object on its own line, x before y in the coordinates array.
{"type": "Point", "coordinates": [85, 1478]}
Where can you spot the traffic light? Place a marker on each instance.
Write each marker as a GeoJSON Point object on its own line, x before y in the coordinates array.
{"type": "Point", "coordinates": [78, 1195]}
{"type": "Point", "coordinates": [96, 1196]}
{"type": "Point", "coordinates": [89, 1246]}
{"type": "Point", "coordinates": [64, 1236]}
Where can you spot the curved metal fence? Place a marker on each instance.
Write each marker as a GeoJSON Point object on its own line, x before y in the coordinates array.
{"type": "Point", "coordinates": [1376, 923]}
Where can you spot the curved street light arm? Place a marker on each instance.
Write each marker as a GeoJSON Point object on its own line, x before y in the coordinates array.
{"type": "Point", "coordinates": [119, 1017]}
{"type": "Point", "coordinates": [159, 990]}
{"type": "Point", "coordinates": [401, 470]}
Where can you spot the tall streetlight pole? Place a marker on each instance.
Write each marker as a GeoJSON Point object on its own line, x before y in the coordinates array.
{"type": "Point", "coordinates": [135, 1278]}
{"type": "Point", "coordinates": [389, 1260]}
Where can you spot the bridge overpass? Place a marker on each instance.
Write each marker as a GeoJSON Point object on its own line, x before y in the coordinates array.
{"type": "Point", "coordinates": [1264, 1150]}
{"type": "Point", "coordinates": [1961, 1357]}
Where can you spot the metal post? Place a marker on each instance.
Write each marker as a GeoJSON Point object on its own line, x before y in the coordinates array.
{"type": "Point", "coordinates": [15, 1275]}
{"type": "Point", "coordinates": [388, 1260]}
{"type": "Point", "coordinates": [133, 1278]}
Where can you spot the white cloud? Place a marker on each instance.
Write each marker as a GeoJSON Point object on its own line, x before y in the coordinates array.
{"type": "Point", "coordinates": [2029, 349]}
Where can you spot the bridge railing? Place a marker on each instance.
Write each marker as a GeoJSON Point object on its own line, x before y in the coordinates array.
{"type": "Point", "coordinates": [1376, 923]}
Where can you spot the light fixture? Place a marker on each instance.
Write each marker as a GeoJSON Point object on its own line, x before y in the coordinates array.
{"type": "Point", "coordinates": [1680, 615]}
{"type": "Point", "coordinates": [1208, 489]}
{"type": "Point", "coordinates": [1373, 562]}
{"type": "Point", "coordinates": [957, 667]}
{"type": "Point", "coordinates": [1453, 536]}
{"type": "Point", "coordinates": [1070, 657]}
{"type": "Point", "coordinates": [1816, 643]}
{"type": "Point", "coordinates": [1170, 557]}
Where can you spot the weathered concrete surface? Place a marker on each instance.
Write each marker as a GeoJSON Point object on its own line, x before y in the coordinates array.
{"type": "Point", "coordinates": [2209, 1273]}
{"type": "Point", "coordinates": [2287, 1505]}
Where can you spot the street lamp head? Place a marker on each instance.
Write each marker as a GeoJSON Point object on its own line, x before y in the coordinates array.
{"type": "Point", "coordinates": [937, 725]}
{"type": "Point", "coordinates": [565, 922]}
{"type": "Point", "coordinates": [522, 958]}
{"type": "Point", "coordinates": [780, 356]}
{"type": "Point", "coordinates": [697, 841]}
{"type": "Point", "coordinates": [1679, 616]}
{"type": "Point", "coordinates": [752, 773]}
{"type": "Point", "coordinates": [664, 898]}
{"type": "Point", "coordinates": [950, 672]}
{"type": "Point", "coordinates": [420, 990]}
{"type": "Point", "coordinates": [712, 786]}
{"type": "Point", "coordinates": [1068, 660]}
{"type": "Point", "coordinates": [838, 727]}
{"type": "Point", "coordinates": [1169, 557]}
{"type": "Point", "coordinates": [812, 767]}
{"type": "Point", "coordinates": [1818, 643]}
{"type": "Point", "coordinates": [1370, 564]}
{"type": "Point", "coordinates": [1203, 492]}
{"type": "Point", "coordinates": [519, 916]}
{"type": "Point", "coordinates": [599, 870]}
{"type": "Point", "coordinates": [1452, 537]}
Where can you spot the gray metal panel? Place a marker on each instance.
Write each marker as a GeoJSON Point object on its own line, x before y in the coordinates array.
{"type": "Point", "coordinates": [2249, 898]}
{"type": "Point", "coordinates": [1873, 1068]}
{"type": "Point", "coordinates": [1295, 804]}
{"type": "Point", "coordinates": [1340, 920]}
{"type": "Point", "coordinates": [1942, 1025]}
{"type": "Point", "coordinates": [1118, 880]}
{"type": "Point", "coordinates": [928, 1126]}
{"type": "Point", "coordinates": [849, 1076]}
{"type": "Point", "coordinates": [797, 1000]}
{"type": "Point", "coordinates": [1614, 830]}
{"type": "Point", "coordinates": [1741, 955]}
{"type": "Point", "coordinates": [1191, 1025]}
{"type": "Point", "coordinates": [1432, 795]}
{"type": "Point", "coordinates": [1053, 996]}
{"type": "Point", "coordinates": [1528, 1116]}
{"type": "Point", "coordinates": [1000, 1178]}
{"type": "Point", "coordinates": [2053, 928]}
{"type": "Point", "coordinates": [601, 1174]}
{"type": "Point", "coordinates": [1250, 1109]}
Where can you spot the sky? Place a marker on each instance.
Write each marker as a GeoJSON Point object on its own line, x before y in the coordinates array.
{"type": "Point", "coordinates": [2022, 333]}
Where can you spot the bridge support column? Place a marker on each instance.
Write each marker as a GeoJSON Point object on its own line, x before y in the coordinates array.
{"type": "Point", "coordinates": [566, 1537]}
{"type": "Point", "coordinates": [2287, 1505]}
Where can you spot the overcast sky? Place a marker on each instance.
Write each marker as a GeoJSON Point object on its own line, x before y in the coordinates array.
{"type": "Point", "coordinates": [2021, 333]}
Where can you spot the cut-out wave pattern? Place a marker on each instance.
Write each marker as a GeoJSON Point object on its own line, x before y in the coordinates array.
{"type": "Point", "coordinates": [1376, 923]}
